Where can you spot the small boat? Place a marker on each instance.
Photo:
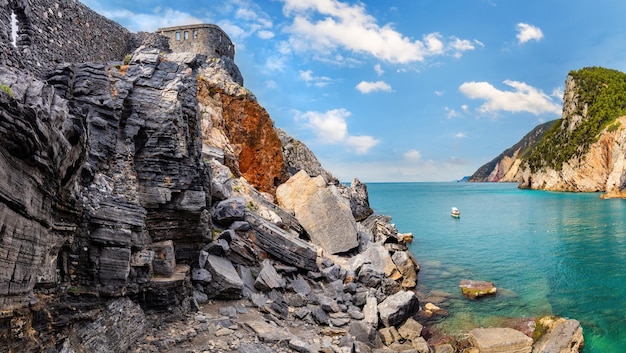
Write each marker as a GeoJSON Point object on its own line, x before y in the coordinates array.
{"type": "Point", "coordinates": [455, 212]}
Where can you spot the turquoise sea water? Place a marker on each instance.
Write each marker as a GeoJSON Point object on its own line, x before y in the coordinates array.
{"type": "Point", "coordinates": [548, 253]}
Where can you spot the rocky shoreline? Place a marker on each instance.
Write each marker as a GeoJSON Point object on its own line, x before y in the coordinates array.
{"type": "Point", "coordinates": [152, 206]}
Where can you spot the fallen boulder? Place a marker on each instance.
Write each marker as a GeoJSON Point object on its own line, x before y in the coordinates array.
{"type": "Point", "coordinates": [226, 283]}
{"type": "Point", "coordinates": [324, 214]}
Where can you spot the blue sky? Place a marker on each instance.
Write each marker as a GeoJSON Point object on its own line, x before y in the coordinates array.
{"type": "Point", "coordinates": [403, 90]}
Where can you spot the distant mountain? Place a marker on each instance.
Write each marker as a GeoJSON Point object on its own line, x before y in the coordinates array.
{"type": "Point", "coordinates": [581, 152]}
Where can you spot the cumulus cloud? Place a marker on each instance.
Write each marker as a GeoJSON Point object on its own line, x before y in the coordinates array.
{"type": "Point", "coordinates": [369, 87]}
{"type": "Point", "coordinates": [526, 32]}
{"type": "Point", "coordinates": [523, 98]}
{"type": "Point", "coordinates": [412, 155]}
{"type": "Point", "coordinates": [324, 26]}
{"type": "Point", "coordinates": [331, 128]}
{"type": "Point", "coordinates": [317, 81]}
{"type": "Point", "coordinates": [361, 144]}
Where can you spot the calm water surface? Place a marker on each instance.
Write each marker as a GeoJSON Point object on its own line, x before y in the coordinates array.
{"type": "Point", "coordinates": [548, 253]}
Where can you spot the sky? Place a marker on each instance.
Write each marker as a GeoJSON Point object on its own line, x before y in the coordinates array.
{"type": "Point", "coordinates": [403, 90]}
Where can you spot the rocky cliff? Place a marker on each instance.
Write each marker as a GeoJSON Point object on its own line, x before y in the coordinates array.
{"type": "Point", "coordinates": [581, 152]}
{"type": "Point", "coordinates": [505, 166]}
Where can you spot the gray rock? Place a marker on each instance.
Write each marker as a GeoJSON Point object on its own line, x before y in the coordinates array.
{"type": "Point", "coordinates": [298, 156]}
{"type": "Point", "coordinates": [201, 275]}
{"type": "Point", "coordinates": [319, 315]}
{"type": "Point", "coordinates": [300, 286]}
{"type": "Point", "coordinates": [325, 216]}
{"type": "Point", "coordinates": [226, 283]}
{"type": "Point", "coordinates": [328, 304]}
{"type": "Point", "coordinates": [221, 180]}
{"type": "Point", "coordinates": [397, 308]}
{"type": "Point", "coordinates": [358, 197]}
{"type": "Point", "coordinates": [229, 210]}
{"type": "Point", "coordinates": [366, 333]}
{"type": "Point", "coordinates": [268, 278]}
{"type": "Point", "coordinates": [228, 311]}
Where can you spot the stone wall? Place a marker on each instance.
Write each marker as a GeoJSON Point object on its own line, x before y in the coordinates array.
{"type": "Point", "coordinates": [206, 39]}
{"type": "Point", "coordinates": [55, 31]}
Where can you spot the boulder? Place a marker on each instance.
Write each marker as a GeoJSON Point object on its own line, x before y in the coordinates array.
{"type": "Point", "coordinates": [500, 340]}
{"type": "Point", "coordinates": [363, 332]}
{"type": "Point", "coordinates": [226, 283]}
{"type": "Point", "coordinates": [396, 308]}
{"type": "Point", "coordinates": [324, 214]}
{"type": "Point", "coordinates": [389, 335]}
{"type": "Point", "coordinates": [562, 336]}
{"type": "Point", "coordinates": [410, 329]}
{"type": "Point", "coordinates": [229, 210]}
{"type": "Point", "coordinates": [268, 278]}
{"type": "Point", "coordinates": [379, 258]}
{"type": "Point", "coordinates": [476, 289]}
{"type": "Point", "coordinates": [407, 265]}
{"type": "Point", "coordinates": [358, 197]}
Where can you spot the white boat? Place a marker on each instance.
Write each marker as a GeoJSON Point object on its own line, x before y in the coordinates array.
{"type": "Point", "coordinates": [455, 212]}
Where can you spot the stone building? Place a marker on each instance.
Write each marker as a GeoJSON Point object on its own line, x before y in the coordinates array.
{"type": "Point", "coordinates": [206, 39]}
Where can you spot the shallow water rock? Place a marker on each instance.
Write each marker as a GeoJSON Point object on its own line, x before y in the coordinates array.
{"type": "Point", "coordinates": [476, 289]}
{"type": "Point", "coordinates": [500, 340]}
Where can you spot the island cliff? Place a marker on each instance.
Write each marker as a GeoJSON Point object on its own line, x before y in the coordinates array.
{"type": "Point", "coordinates": [582, 151]}
{"type": "Point", "coordinates": [134, 192]}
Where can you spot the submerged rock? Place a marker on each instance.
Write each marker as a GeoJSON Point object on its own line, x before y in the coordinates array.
{"type": "Point", "coordinates": [475, 289]}
{"type": "Point", "coordinates": [500, 340]}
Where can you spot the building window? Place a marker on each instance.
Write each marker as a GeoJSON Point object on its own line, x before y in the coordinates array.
{"type": "Point", "coordinates": [177, 35]}
{"type": "Point", "coordinates": [195, 34]}
{"type": "Point", "coordinates": [186, 35]}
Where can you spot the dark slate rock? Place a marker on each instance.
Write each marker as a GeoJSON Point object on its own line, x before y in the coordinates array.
{"type": "Point", "coordinates": [365, 333]}
{"type": "Point", "coordinates": [226, 282]}
{"type": "Point", "coordinates": [201, 275]}
{"type": "Point", "coordinates": [229, 210]}
{"type": "Point", "coordinates": [319, 315]}
{"type": "Point", "coordinates": [240, 226]}
{"type": "Point", "coordinates": [300, 286]}
{"type": "Point", "coordinates": [397, 308]}
{"type": "Point", "coordinates": [268, 278]}
{"type": "Point", "coordinates": [328, 304]}
{"type": "Point", "coordinates": [228, 311]}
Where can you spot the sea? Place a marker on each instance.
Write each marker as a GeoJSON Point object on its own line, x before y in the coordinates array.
{"type": "Point", "coordinates": [548, 253]}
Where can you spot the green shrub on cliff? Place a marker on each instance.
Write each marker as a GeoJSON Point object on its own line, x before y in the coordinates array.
{"type": "Point", "coordinates": [6, 89]}
{"type": "Point", "coordinates": [604, 93]}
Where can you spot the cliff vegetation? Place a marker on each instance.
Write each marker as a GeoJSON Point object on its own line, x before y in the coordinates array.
{"type": "Point", "coordinates": [582, 151]}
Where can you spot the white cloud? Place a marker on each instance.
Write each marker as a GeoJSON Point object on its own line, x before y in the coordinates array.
{"type": "Point", "coordinates": [379, 70]}
{"type": "Point", "coordinates": [465, 108]}
{"type": "Point", "coordinates": [460, 135]}
{"type": "Point", "coordinates": [369, 87]}
{"type": "Point", "coordinates": [412, 155]}
{"type": "Point", "coordinates": [526, 32]}
{"type": "Point", "coordinates": [323, 26]}
{"type": "Point", "coordinates": [523, 98]}
{"type": "Point", "coordinates": [271, 84]}
{"type": "Point", "coordinates": [331, 128]}
{"type": "Point", "coordinates": [317, 81]}
{"type": "Point", "coordinates": [265, 34]}
{"type": "Point", "coordinates": [361, 144]}
{"type": "Point", "coordinates": [451, 113]}
{"type": "Point", "coordinates": [438, 93]}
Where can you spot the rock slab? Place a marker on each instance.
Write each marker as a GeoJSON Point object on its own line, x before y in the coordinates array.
{"type": "Point", "coordinates": [500, 340]}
